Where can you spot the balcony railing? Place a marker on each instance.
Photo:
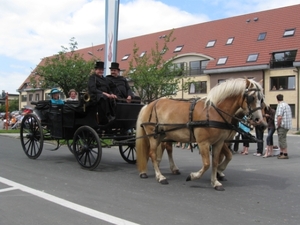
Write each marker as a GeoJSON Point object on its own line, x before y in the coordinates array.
{"type": "Point", "coordinates": [281, 64]}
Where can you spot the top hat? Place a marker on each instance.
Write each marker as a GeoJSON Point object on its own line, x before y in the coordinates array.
{"type": "Point", "coordinates": [99, 65]}
{"type": "Point", "coordinates": [114, 66]}
{"type": "Point", "coordinates": [54, 91]}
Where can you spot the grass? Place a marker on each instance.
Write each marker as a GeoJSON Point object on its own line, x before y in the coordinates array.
{"type": "Point", "coordinates": [10, 131]}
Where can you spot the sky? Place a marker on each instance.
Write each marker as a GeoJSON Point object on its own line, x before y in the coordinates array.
{"type": "Point", "coordinates": [33, 29]}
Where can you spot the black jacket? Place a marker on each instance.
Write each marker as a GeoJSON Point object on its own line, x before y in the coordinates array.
{"type": "Point", "coordinates": [96, 86]}
{"type": "Point", "coordinates": [119, 86]}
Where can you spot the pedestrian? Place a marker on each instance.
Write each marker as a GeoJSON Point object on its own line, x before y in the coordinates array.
{"type": "Point", "coordinates": [245, 126]}
{"type": "Point", "coordinates": [269, 114]}
{"type": "Point", "coordinates": [259, 132]}
{"type": "Point", "coordinates": [283, 123]}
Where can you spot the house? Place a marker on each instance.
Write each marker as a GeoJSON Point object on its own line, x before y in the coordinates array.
{"type": "Point", "coordinates": [262, 45]}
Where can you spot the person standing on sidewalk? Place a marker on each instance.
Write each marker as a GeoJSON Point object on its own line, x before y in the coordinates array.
{"type": "Point", "coordinates": [269, 114]}
{"type": "Point", "coordinates": [283, 122]}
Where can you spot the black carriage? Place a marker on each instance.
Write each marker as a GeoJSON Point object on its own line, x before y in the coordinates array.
{"type": "Point", "coordinates": [76, 124]}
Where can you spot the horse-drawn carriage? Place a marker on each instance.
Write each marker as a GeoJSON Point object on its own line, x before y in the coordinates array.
{"type": "Point", "coordinates": [76, 124]}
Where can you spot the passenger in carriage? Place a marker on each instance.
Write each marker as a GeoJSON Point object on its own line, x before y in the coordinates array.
{"type": "Point", "coordinates": [54, 93]}
{"type": "Point", "coordinates": [72, 95]}
{"type": "Point", "coordinates": [100, 93]}
{"type": "Point", "coordinates": [119, 85]}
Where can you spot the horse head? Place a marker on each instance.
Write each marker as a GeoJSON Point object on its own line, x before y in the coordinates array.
{"type": "Point", "coordinates": [253, 102]}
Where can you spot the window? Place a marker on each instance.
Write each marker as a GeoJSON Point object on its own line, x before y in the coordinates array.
{"type": "Point", "coordinates": [24, 98]}
{"type": "Point", "coordinates": [125, 57]}
{"type": "Point", "coordinates": [180, 67]}
{"type": "Point", "coordinates": [30, 97]}
{"type": "Point", "coordinates": [142, 54]}
{"type": "Point", "coordinates": [289, 32]}
{"type": "Point", "coordinates": [229, 41]}
{"type": "Point", "coordinates": [197, 67]}
{"type": "Point", "coordinates": [222, 61]}
{"type": "Point", "coordinates": [282, 83]}
{"type": "Point", "coordinates": [291, 105]}
{"type": "Point", "coordinates": [178, 48]}
{"type": "Point", "coordinates": [211, 44]}
{"type": "Point", "coordinates": [262, 36]}
{"type": "Point", "coordinates": [283, 59]}
{"type": "Point", "coordinates": [37, 97]}
{"type": "Point", "coordinates": [252, 58]}
{"type": "Point", "coordinates": [198, 87]}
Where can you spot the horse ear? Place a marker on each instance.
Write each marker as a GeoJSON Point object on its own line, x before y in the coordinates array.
{"type": "Point", "coordinates": [261, 82]}
{"type": "Point", "coordinates": [247, 82]}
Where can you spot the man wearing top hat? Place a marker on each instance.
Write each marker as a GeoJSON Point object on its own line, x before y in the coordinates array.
{"type": "Point", "coordinates": [100, 92]}
{"type": "Point", "coordinates": [119, 85]}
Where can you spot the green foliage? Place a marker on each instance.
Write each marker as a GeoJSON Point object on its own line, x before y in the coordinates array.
{"type": "Point", "coordinates": [66, 70]}
{"type": "Point", "coordinates": [13, 105]}
{"type": "Point", "coordinates": [154, 77]}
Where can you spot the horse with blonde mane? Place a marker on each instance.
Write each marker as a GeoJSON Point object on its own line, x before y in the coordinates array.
{"type": "Point", "coordinates": [205, 121]}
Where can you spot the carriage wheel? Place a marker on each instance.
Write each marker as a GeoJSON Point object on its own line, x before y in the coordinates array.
{"type": "Point", "coordinates": [87, 147]}
{"type": "Point", "coordinates": [128, 153]}
{"type": "Point", "coordinates": [31, 135]}
{"type": "Point", "coordinates": [70, 145]}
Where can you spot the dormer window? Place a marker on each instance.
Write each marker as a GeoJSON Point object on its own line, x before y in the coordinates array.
{"type": "Point", "coordinates": [230, 41]}
{"type": "Point", "coordinates": [252, 58]}
{"type": "Point", "coordinates": [222, 61]}
{"type": "Point", "coordinates": [178, 48]}
{"type": "Point", "coordinates": [142, 54]}
{"type": "Point", "coordinates": [289, 32]}
{"type": "Point", "coordinates": [125, 57]}
{"type": "Point", "coordinates": [262, 36]}
{"type": "Point", "coordinates": [211, 44]}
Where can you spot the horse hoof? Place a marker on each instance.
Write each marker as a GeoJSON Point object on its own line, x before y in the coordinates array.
{"type": "Point", "coordinates": [219, 188]}
{"type": "Point", "coordinates": [164, 181]}
{"type": "Point", "coordinates": [143, 175]}
{"type": "Point", "coordinates": [188, 178]}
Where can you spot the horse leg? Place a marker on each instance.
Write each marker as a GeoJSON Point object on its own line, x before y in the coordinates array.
{"type": "Point", "coordinates": [222, 165]}
{"type": "Point", "coordinates": [174, 169]}
{"type": "Point", "coordinates": [204, 149]}
{"type": "Point", "coordinates": [216, 149]}
{"type": "Point", "coordinates": [158, 175]}
{"type": "Point", "coordinates": [160, 151]}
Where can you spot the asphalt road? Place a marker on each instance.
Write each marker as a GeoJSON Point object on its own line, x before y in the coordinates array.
{"type": "Point", "coordinates": [53, 189]}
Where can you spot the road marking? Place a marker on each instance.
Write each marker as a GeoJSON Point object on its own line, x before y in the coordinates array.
{"type": "Point", "coordinates": [8, 189]}
{"type": "Point", "coordinates": [65, 203]}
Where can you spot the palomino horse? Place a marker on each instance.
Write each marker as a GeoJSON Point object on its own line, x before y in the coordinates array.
{"type": "Point", "coordinates": [224, 157]}
{"type": "Point", "coordinates": [207, 122]}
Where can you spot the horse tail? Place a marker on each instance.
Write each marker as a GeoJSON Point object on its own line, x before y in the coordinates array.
{"type": "Point", "coordinates": [142, 144]}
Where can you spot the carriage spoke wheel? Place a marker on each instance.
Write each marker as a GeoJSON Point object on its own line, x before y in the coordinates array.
{"type": "Point", "coordinates": [87, 147]}
{"type": "Point", "coordinates": [70, 145]}
{"type": "Point", "coordinates": [31, 135]}
{"type": "Point", "coordinates": [128, 153]}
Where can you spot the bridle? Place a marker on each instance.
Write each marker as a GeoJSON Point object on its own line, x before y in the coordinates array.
{"type": "Point", "coordinates": [251, 98]}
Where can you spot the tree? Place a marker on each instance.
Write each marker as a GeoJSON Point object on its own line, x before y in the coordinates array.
{"type": "Point", "coordinates": [154, 77]}
{"type": "Point", "coordinates": [66, 70]}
